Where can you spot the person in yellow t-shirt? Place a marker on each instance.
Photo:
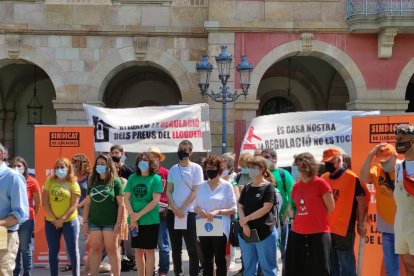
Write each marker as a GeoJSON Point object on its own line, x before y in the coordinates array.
{"type": "Point", "coordinates": [379, 169]}
{"type": "Point", "coordinates": [61, 195]}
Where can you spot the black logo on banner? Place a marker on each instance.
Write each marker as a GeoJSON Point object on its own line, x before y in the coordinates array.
{"type": "Point", "coordinates": [101, 129]}
{"type": "Point", "coordinates": [64, 139]}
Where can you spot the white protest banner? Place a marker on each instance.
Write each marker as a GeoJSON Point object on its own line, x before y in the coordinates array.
{"type": "Point", "coordinates": [139, 128]}
{"type": "Point", "coordinates": [297, 132]}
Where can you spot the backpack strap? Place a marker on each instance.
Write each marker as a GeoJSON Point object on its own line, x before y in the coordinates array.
{"type": "Point", "coordinates": [282, 175]}
{"type": "Point", "coordinates": [390, 183]}
{"type": "Point", "coordinates": [238, 176]}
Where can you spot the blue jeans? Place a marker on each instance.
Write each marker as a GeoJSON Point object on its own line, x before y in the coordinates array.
{"type": "Point", "coordinates": [163, 246]}
{"type": "Point", "coordinates": [263, 252]}
{"type": "Point", "coordinates": [343, 262]}
{"type": "Point", "coordinates": [391, 260]}
{"type": "Point", "coordinates": [70, 231]}
{"type": "Point", "coordinates": [25, 249]}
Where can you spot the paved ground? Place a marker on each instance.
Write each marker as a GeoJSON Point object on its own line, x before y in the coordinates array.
{"type": "Point", "coordinates": [42, 271]}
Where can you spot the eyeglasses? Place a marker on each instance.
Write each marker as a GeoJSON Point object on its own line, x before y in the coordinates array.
{"type": "Point", "coordinates": [405, 130]}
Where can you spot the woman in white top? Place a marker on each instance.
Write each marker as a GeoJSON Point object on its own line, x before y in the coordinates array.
{"type": "Point", "coordinates": [215, 197]}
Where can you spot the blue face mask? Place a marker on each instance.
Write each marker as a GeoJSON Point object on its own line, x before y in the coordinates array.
{"type": "Point", "coordinates": [245, 170]}
{"type": "Point", "coordinates": [143, 165]}
{"type": "Point", "coordinates": [61, 173]}
{"type": "Point", "coordinates": [101, 169]}
{"type": "Point", "coordinates": [123, 158]}
{"type": "Point", "coordinates": [295, 173]}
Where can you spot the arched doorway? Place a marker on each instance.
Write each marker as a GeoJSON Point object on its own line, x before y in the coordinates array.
{"type": "Point", "coordinates": [301, 83]}
{"type": "Point", "coordinates": [409, 95]}
{"type": "Point", "coordinates": [17, 82]}
{"type": "Point", "coordinates": [138, 86]}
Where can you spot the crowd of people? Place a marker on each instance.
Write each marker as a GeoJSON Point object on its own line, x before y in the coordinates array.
{"type": "Point", "coordinates": [310, 213]}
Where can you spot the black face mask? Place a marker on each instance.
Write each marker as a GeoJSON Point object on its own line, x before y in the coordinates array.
{"type": "Point", "coordinates": [116, 159]}
{"type": "Point", "coordinates": [212, 173]}
{"type": "Point", "coordinates": [402, 147]}
{"type": "Point", "coordinates": [330, 167]}
{"type": "Point", "coordinates": [182, 155]}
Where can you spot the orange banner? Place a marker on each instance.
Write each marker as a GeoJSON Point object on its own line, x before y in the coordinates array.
{"type": "Point", "coordinates": [367, 132]}
{"type": "Point", "coordinates": [52, 142]}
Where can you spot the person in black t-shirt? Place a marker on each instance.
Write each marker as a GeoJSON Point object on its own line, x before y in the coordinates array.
{"type": "Point", "coordinates": [255, 211]}
{"type": "Point", "coordinates": [117, 154]}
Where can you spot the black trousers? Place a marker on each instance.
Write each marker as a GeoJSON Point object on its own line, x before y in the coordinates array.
{"type": "Point", "coordinates": [190, 239]}
{"type": "Point", "coordinates": [308, 255]}
{"type": "Point", "coordinates": [214, 248]}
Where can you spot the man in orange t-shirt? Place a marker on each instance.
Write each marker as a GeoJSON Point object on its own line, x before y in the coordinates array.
{"type": "Point", "coordinates": [379, 169]}
{"type": "Point", "coordinates": [350, 197]}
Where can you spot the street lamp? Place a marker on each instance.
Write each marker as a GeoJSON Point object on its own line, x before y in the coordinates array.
{"type": "Point", "coordinates": [223, 60]}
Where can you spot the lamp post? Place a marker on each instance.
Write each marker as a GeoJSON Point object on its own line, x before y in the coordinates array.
{"type": "Point", "coordinates": [34, 108]}
{"type": "Point", "coordinates": [223, 60]}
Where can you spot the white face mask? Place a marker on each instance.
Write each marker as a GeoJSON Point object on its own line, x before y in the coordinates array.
{"type": "Point", "coordinates": [269, 163]}
{"type": "Point", "coordinates": [388, 166]}
{"type": "Point", "coordinates": [253, 172]}
{"type": "Point", "coordinates": [20, 170]}
{"type": "Point", "coordinates": [225, 173]}
{"type": "Point", "coordinates": [295, 173]}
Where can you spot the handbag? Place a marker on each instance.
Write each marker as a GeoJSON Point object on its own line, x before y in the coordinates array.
{"type": "Point", "coordinates": [234, 231]}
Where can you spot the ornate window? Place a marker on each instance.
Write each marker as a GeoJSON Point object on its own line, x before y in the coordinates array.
{"type": "Point", "coordinates": [277, 105]}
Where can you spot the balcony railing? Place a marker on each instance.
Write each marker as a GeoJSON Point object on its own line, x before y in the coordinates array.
{"type": "Point", "coordinates": [369, 8]}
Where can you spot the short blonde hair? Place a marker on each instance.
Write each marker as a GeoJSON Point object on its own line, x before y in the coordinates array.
{"type": "Point", "coordinates": [243, 159]}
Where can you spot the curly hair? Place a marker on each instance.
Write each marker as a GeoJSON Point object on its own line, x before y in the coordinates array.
{"type": "Point", "coordinates": [111, 173]}
{"type": "Point", "coordinates": [306, 163]}
{"type": "Point", "coordinates": [19, 159]}
{"type": "Point", "coordinates": [82, 163]}
{"type": "Point", "coordinates": [70, 174]}
{"type": "Point", "coordinates": [153, 164]}
{"type": "Point", "coordinates": [214, 161]}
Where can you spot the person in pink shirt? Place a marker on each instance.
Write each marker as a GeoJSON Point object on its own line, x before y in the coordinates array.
{"type": "Point", "coordinates": [26, 229]}
{"type": "Point", "coordinates": [163, 243]}
{"type": "Point", "coordinates": [309, 242]}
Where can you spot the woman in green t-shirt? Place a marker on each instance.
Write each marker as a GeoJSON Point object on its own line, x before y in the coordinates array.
{"type": "Point", "coordinates": [142, 195]}
{"type": "Point", "coordinates": [102, 214]}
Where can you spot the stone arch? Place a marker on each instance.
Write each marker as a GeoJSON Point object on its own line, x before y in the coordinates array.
{"type": "Point", "coordinates": [343, 64]}
{"type": "Point", "coordinates": [29, 54]}
{"type": "Point", "coordinates": [405, 76]}
{"type": "Point", "coordinates": [123, 58]}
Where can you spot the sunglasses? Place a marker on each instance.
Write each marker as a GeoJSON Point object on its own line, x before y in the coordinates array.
{"type": "Point", "coordinates": [405, 130]}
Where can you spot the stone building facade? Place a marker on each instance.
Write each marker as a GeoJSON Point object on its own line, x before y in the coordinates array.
{"type": "Point", "coordinates": [307, 55]}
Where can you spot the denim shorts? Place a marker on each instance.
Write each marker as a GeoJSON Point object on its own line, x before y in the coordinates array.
{"type": "Point", "coordinates": [94, 227]}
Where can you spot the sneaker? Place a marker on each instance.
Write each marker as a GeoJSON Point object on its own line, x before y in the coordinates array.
{"type": "Point", "coordinates": [232, 265]}
{"type": "Point", "coordinates": [104, 268]}
{"type": "Point", "coordinates": [67, 267]}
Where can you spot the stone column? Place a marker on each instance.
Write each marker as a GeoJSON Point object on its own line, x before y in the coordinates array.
{"type": "Point", "coordinates": [72, 113]}
{"type": "Point", "coordinates": [8, 138]}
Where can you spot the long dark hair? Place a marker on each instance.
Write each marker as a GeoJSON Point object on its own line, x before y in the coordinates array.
{"type": "Point", "coordinates": [111, 173]}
